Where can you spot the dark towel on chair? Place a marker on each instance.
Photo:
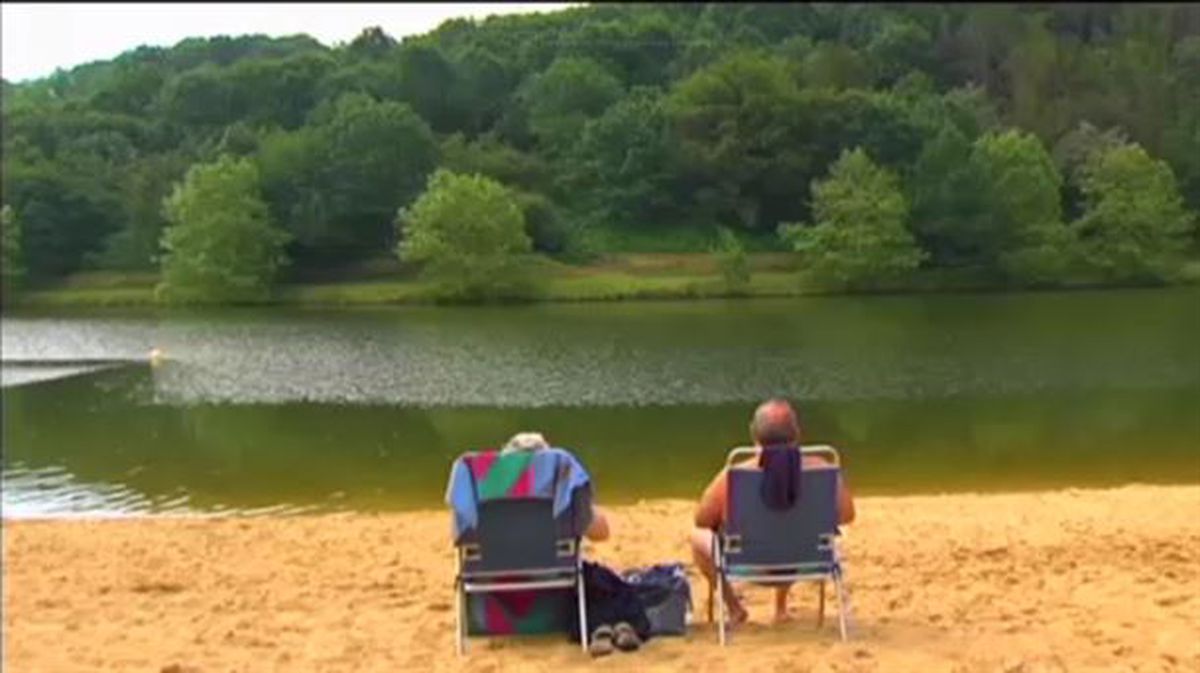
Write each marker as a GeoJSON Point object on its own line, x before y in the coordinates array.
{"type": "Point", "coordinates": [780, 464]}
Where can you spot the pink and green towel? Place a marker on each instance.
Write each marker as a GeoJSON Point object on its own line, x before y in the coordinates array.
{"type": "Point", "coordinates": [551, 473]}
{"type": "Point", "coordinates": [520, 612]}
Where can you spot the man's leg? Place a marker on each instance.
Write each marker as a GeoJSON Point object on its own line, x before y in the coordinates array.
{"type": "Point", "coordinates": [781, 600]}
{"type": "Point", "coordinates": [702, 540]}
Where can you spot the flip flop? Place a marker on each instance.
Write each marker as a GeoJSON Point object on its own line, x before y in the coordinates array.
{"type": "Point", "coordinates": [601, 642]}
{"type": "Point", "coordinates": [626, 639]}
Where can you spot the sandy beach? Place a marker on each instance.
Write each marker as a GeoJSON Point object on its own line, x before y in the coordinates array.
{"type": "Point", "coordinates": [1076, 580]}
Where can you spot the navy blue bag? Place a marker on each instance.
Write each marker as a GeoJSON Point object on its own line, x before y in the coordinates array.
{"type": "Point", "coordinates": [666, 596]}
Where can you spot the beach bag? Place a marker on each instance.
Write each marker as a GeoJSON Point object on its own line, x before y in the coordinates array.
{"type": "Point", "coordinates": [665, 594]}
{"type": "Point", "coordinates": [610, 601]}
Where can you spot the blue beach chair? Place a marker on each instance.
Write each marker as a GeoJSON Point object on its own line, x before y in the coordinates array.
{"type": "Point", "coordinates": [519, 545]}
{"type": "Point", "coordinates": [765, 546]}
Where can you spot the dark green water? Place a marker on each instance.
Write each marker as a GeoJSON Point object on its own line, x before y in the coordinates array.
{"type": "Point", "coordinates": [366, 409]}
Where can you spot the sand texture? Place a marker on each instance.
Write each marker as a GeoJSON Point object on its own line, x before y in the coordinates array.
{"type": "Point", "coordinates": [1079, 580]}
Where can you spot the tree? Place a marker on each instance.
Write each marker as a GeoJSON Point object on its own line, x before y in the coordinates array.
{"type": "Point", "coordinates": [625, 164]}
{"type": "Point", "coordinates": [10, 250]}
{"type": "Point", "coordinates": [336, 182]}
{"type": "Point", "coordinates": [836, 66]}
{"type": "Point", "coordinates": [561, 99]}
{"type": "Point", "coordinates": [731, 259]}
{"type": "Point", "coordinates": [732, 119]}
{"type": "Point", "coordinates": [901, 47]}
{"type": "Point", "coordinates": [860, 236]}
{"type": "Point", "coordinates": [947, 192]}
{"type": "Point", "coordinates": [144, 187]}
{"type": "Point", "coordinates": [1023, 235]}
{"type": "Point", "coordinates": [378, 156]}
{"type": "Point", "coordinates": [1135, 224]}
{"type": "Point", "coordinates": [220, 246]}
{"type": "Point", "coordinates": [468, 231]}
{"type": "Point", "coordinates": [65, 214]}
{"type": "Point", "coordinates": [1072, 153]}
{"type": "Point", "coordinates": [488, 155]}
{"type": "Point", "coordinates": [428, 83]}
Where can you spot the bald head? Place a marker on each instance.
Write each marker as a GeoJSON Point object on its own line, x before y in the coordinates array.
{"type": "Point", "coordinates": [775, 423]}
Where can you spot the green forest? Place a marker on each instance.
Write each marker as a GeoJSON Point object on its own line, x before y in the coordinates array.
{"type": "Point", "coordinates": [1029, 143]}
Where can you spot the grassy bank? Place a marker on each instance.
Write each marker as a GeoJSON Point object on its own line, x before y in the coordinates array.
{"type": "Point", "coordinates": [623, 277]}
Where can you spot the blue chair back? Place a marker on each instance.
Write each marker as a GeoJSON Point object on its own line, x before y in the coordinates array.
{"type": "Point", "coordinates": [758, 535]}
{"type": "Point", "coordinates": [519, 534]}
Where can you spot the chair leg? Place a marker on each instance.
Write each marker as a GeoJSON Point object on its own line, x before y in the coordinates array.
{"type": "Point", "coordinates": [719, 573]}
{"type": "Point", "coordinates": [841, 600]}
{"type": "Point", "coordinates": [460, 645]}
{"type": "Point", "coordinates": [821, 605]}
{"type": "Point", "coordinates": [710, 601]}
{"type": "Point", "coordinates": [583, 621]}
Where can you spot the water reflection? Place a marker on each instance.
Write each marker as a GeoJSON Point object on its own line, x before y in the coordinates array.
{"type": "Point", "coordinates": [120, 451]}
{"type": "Point", "coordinates": [287, 411]}
{"type": "Point", "coordinates": [651, 353]}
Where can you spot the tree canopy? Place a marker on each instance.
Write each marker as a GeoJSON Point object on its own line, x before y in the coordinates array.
{"type": "Point", "coordinates": [469, 233]}
{"type": "Point", "coordinates": [220, 245]}
{"type": "Point", "coordinates": [666, 119]}
{"type": "Point", "coordinates": [860, 236]}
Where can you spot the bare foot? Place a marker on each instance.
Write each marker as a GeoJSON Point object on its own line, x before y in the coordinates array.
{"type": "Point", "coordinates": [782, 616]}
{"type": "Point", "coordinates": [735, 613]}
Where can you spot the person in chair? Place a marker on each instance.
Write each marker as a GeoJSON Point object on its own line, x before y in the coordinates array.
{"type": "Point", "coordinates": [773, 426]}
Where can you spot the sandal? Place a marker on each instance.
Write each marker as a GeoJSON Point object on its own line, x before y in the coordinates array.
{"type": "Point", "coordinates": [626, 638]}
{"type": "Point", "coordinates": [601, 642]}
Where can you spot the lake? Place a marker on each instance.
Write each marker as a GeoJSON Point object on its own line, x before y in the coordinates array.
{"type": "Point", "coordinates": [270, 410]}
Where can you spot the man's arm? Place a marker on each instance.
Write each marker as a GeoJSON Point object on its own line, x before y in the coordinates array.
{"type": "Point", "coordinates": [845, 500]}
{"type": "Point", "coordinates": [598, 530]}
{"type": "Point", "coordinates": [711, 510]}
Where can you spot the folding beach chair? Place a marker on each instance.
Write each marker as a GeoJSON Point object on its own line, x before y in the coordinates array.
{"type": "Point", "coordinates": [765, 546]}
{"type": "Point", "coordinates": [517, 545]}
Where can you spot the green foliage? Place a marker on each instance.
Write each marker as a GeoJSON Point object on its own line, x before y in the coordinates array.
{"type": "Point", "coordinates": [859, 238]}
{"type": "Point", "coordinates": [732, 119]}
{"type": "Point", "coordinates": [12, 267]}
{"type": "Point", "coordinates": [144, 187]}
{"type": "Point", "coordinates": [220, 246]}
{"type": "Point", "coordinates": [468, 231]}
{"type": "Point", "coordinates": [1075, 149]}
{"type": "Point", "coordinates": [490, 156]}
{"type": "Point", "coordinates": [1022, 235]}
{"type": "Point", "coordinates": [620, 126]}
{"type": "Point", "coordinates": [731, 259]}
{"type": "Point", "coordinates": [561, 99]}
{"type": "Point", "coordinates": [899, 49]}
{"type": "Point", "coordinates": [948, 193]}
{"type": "Point", "coordinates": [1135, 225]}
{"type": "Point", "coordinates": [625, 163]}
{"type": "Point", "coordinates": [335, 184]}
{"type": "Point", "coordinates": [64, 214]}
{"type": "Point", "coordinates": [836, 66]}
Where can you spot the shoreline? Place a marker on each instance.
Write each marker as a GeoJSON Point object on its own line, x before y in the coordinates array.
{"type": "Point", "coordinates": [1075, 579]}
{"type": "Point", "coordinates": [621, 503]}
{"type": "Point", "coordinates": [630, 277]}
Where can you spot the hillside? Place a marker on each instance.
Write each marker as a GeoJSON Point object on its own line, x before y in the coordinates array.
{"type": "Point", "coordinates": [621, 128]}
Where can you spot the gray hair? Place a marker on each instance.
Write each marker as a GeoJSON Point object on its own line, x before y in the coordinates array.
{"type": "Point", "coordinates": [775, 422]}
{"type": "Point", "coordinates": [525, 441]}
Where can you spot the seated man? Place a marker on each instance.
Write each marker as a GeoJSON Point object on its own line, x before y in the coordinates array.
{"type": "Point", "coordinates": [774, 424]}
{"type": "Point", "coordinates": [597, 530]}
{"type": "Point", "coordinates": [526, 467]}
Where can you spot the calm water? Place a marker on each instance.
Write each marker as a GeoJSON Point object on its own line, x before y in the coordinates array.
{"type": "Point", "coordinates": [365, 409]}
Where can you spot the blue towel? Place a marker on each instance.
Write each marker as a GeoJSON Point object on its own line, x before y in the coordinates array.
{"type": "Point", "coordinates": [781, 465]}
{"type": "Point", "coordinates": [544, 481]}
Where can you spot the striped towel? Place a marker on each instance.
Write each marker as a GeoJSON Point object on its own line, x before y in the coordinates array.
{"type": "Point", "coordinates": [551, 473]}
